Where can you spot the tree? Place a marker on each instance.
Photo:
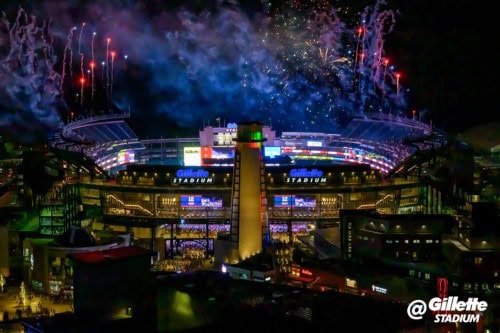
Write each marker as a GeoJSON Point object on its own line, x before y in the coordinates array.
{"type": "Point", "coordinates": [2, 281]}
{"type": "Point", "coordinates": [22, 295]}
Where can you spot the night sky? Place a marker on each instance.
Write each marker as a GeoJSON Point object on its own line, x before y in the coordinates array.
{"type": "Point", "coordinates": [303, 65]}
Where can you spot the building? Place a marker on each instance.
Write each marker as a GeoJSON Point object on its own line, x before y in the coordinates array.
{"type": "Point", "coordinates": [111, 283]}
{"type": "Point", "coordinates": [475, 252]}
{"type": "Point", "coordinates": [412, 238]}
{"type": "Point", "coordinates": [47, 267]}
{"type": "Point", "coordinates": [178, 211]}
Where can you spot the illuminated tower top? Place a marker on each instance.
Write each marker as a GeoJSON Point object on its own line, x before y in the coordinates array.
{"type": "Point", "coordinates": [250, 132]}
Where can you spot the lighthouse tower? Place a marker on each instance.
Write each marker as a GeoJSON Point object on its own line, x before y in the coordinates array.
{"type": "Point", "coordinates": [249, 229]}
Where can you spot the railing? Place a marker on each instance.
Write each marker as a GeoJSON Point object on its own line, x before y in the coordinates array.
{"type": "Point", "coordinates": [111, 198]}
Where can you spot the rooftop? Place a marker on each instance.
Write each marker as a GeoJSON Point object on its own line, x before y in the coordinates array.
{"type": "Point", "coordinates": [114, 254]}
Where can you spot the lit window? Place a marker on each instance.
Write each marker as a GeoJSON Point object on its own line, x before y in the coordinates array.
{"type": "Point", "coordinates": [478, 260]}
{"type": "Point", "coordinates": [427, 276]}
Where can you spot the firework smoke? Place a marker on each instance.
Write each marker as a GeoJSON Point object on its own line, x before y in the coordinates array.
{"type": "Point", "coordinates": [294, 64]}
{"type": "Point", "coordinates": [29, 94]}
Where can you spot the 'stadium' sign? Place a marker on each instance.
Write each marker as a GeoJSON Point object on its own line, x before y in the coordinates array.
{"type": "Point", "coordinates": [305, 176]}
{"type": "Point", "coordinates": [191, 176]}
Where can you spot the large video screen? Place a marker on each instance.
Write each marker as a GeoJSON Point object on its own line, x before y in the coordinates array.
{"type": "Point", "coordinates": [192, 156]}
{"type": "Point", "coordinates": [294, 201]}
{"type": "Point", "coordinates": [270, 151]}
{"type": "Point", "coordinates": [304, 201]}
{"type": "Point", "coordinates": [282, 200]}
{"type": "Point", "coordinates": [211, 202]}
{"type": "Point", "coordinates": [222, 152]}
{"type": "Point", "coordinates": [199, 201]}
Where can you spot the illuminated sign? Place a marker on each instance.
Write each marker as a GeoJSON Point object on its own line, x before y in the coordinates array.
{"type": "Point", "coordinates": [232, 125]}
{"type": "Point", "coordinates": [191, 176]}
{"type": "Point", "coordinates": [192, 156]}
{"type": "Point", "coordinates": [442, 287]}
{"type": "Point", "coordinates": [305, 176]}
{"type": "Point", "coordinates": [305, 271]}
{"type": "Point", "coordinates": [379, 289]}
{"type": "Point", "coordinates": [314, 144]}
{"type": "Point", "coordinates": [351, 283]}
{"type": "Point", "coordinates": [184, 173]}
{"type": "Point", "coordinates": [306, 173]}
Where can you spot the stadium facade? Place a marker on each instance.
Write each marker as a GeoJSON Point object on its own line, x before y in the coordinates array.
{"type": "Point", "coordinates": [175, 195]}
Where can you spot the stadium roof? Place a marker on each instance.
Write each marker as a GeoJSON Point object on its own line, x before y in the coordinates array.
{"type": "Point", "coordinates": [100, 129]}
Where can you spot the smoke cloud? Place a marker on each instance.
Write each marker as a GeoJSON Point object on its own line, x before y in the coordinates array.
{"type": "Point", "coordinates": [178, 66]}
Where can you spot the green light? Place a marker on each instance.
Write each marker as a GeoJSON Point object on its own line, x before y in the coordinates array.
{"type": "Point", "coordinates": [257, 136]}
{"type": "Point", "coordinates": [182, 304]}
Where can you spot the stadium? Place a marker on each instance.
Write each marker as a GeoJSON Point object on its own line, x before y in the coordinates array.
{"type": "Point", "coordinates": [174, 194]}
{"type": "Point", "coordinates": [382, 141]}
